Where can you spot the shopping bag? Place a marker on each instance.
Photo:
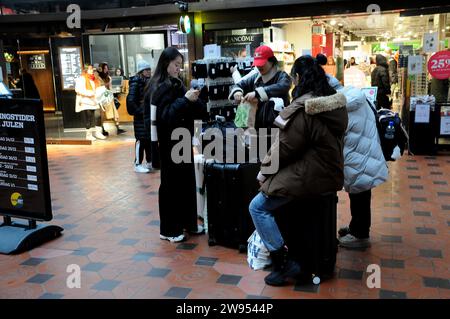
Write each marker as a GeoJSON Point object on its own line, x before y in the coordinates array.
{"type": "Point", "coordinates": [258, 256]}
{"type": "Point", "coordinates": [245, 115]}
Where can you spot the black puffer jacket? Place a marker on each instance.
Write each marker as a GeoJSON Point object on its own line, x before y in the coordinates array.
{"type": "Point", "coordinates": [135, 105]}
{"type": "Point", "coordinates": [380, 79]}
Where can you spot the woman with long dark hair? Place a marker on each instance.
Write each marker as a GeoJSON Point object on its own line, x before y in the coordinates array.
{"type": "Point", "coordinates": [168, 106]}
{"type": "Point", "coordinates": [309, 152]}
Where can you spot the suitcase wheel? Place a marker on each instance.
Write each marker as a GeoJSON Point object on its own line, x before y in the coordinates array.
{"type": "Point", "coordinates": [211, 242]}
{"type": "Point", "coordinates": [316, 280]}
{"type": "Point", "coordinates": [242, 248]}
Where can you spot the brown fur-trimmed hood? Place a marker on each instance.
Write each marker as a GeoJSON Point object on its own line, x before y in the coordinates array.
{"type": "Point", "coordinates": [331, 110]}
{"type": "Point", "coordinates": [325, 103]}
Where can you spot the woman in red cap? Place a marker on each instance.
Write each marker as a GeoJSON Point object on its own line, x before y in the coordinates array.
{"type": "Point", "coordinates": [267, 88]}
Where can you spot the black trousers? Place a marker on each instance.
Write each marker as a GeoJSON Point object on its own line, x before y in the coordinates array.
{"type": "Point", "coordinates": [143, 145]}
{"type": "Point", "coordinates": [88, 117]}
{"type": "Point", "coordinates": [360, 210]}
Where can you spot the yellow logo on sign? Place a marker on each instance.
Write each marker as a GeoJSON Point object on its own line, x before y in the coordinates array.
{"type": "Point", "coordinates": [17, 200]}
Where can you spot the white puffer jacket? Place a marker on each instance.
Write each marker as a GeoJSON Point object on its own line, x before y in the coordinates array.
{"type": "Point", "coordinates": [364, 163]}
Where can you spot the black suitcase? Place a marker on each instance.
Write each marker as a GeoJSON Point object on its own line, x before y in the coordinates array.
{"type": "Point", "coordinates": [229, 190]}
{"type": "Point", "coordinates": [309, 230]}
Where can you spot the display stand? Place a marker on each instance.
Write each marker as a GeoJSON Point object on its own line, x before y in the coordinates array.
{"type": "Point", "coordinates": [18, 237]}
{"type": "Point", "coordinates": [423, 125]}
{"type": "Point", "coordinates": [24, 180]}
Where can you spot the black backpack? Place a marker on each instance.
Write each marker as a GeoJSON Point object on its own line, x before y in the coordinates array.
{"type": "Point", "coordinates": [390, 130]}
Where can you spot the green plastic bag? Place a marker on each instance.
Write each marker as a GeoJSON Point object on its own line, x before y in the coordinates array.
{"type": "Point", "coordinates": [242, 115]}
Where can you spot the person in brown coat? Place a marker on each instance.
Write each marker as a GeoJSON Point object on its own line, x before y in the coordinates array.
{"type": "Point", "coordinates": [309, 151]}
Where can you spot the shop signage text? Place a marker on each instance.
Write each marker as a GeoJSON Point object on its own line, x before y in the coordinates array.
{"type": "Point", "coordinates": [24, 182]}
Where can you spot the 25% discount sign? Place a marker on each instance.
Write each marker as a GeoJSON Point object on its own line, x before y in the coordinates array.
{"type": "Point", "coordinates": [439, 65]}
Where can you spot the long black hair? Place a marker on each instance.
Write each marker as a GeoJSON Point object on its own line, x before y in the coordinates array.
{"type": "Point", "coordinates": [312, 77]}
{"type": "Point", "coordinates": [161, 75]}
{"type": "Point", "coordinates": [168, 55]}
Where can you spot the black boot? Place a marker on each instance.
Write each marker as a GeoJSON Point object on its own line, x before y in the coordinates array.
{"type": "Point", "coordinates": [283, 268]}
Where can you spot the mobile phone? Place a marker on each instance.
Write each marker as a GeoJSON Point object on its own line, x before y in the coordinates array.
{"type": "Point", "coordinates": [197, 84]}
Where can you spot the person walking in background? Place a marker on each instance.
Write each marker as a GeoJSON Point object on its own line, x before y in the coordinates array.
{"type": "Point", "coordinates": [330, 66]}
{"type": "Point", "coordinates": [364, 165]}
{"type": "Point", "coordinates": [85, 103]}
{"type": "Point", "coordinates": [380, 79]}
{"type": "Point", "coordinates": [135, 107]}
{"type": "Point", "coordinates": [26, 83]}
{"type": "Point", "coordinates": [309, 148]}
{"type": "Point", "coordinates": [168, 106]}
{"type": "Point", "coordinates": [119, 72]}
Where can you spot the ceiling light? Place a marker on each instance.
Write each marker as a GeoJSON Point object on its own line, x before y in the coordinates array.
{"type": "Point", "coordinates": [443, 30]}
{"type": "Point", "coordinates": [340, 24]}
{"type": "Point", "coordinates": [448, 27]}
{"type": "Point", "coordinates": [421, 15]}
{"type": "Point", "coordinates": [333, 22]}
{"type": "Point", "coordinates": [431, 31]}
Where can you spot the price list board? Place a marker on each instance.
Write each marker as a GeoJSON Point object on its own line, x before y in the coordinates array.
{"type": "Point", "coordinates": [71, 66]}
{"type": "Point", "coordinates": [24, 181]}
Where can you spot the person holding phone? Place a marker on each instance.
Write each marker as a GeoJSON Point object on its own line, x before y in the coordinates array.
{"type": "Point", "coordinates": [169, 106]}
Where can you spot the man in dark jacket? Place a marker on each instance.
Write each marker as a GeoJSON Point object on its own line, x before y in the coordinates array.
{"type": "Point", "coordinates": [135, 107]}
{"type": "Point", "coordinates": [263, 87]}
{"type": "Point", "coordinates": [28, 86]}
{"type": "Point", "coordinates": [380, 79]}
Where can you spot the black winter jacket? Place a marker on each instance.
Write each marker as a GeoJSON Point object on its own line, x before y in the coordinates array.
{"type": "Point", "coordinates": [135, 106]}
{"type": "Point", "coordinates": [380, 76]}
{"type": "Point", "coordinates": [173, 110]}
{"type": "Point", "coordinates": [277, 86]}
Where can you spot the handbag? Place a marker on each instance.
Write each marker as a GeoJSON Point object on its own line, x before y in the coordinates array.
{"type": "Point", "coordinates": [265, 115]}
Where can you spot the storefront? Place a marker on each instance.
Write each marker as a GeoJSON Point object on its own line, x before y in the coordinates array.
{"type": "Point", "coordinates": [408, 39]}
{"type": "Point", "coordinates": [54, 59]}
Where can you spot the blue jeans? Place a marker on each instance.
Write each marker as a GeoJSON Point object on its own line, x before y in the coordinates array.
{"type": "Point", "coordinates": [262, 209]}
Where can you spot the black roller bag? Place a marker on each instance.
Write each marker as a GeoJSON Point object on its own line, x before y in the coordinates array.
{"type": "Point", "coordinates": [309, 229]}
{"type": "Point", "coordinates": [229, 189]}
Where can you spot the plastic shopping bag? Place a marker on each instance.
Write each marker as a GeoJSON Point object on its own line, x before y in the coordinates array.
{"type": "Point", "coordinates": [258, 256]}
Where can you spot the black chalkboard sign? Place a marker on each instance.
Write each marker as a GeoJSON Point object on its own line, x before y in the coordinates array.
{"type": "Point", "coordinates": [24, 181]}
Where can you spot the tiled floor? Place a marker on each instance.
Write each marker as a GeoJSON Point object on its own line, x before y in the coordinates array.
{"type": "Point", "coordinates": [110, 216]}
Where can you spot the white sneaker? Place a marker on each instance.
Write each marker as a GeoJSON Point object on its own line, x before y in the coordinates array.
{"type": "Point", "coordinates": [350, 241]}
{"type": "Point", "coordinates": [141, 169]}
{"type": "Point", "coordinates": [177, 239]}
{"type": "Point", "coordinates": [99, 134]}
{"type": "Point", "coordinates": [89, 136]}
{"type": "Point", "coordinates": [148, 166]}
{"type": "Point", "coordinates": [200, 230]}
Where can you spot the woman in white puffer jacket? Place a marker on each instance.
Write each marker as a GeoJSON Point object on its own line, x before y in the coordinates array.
{"type": "Point", "coordinates": [364, 164]}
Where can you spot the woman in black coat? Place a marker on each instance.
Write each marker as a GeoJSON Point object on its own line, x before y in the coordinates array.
{"type": "Point", "coordinates": [168, 106]}
{"type": "Point", "coordinates": [380, 79]}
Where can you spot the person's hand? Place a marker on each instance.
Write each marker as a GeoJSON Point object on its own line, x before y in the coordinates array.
{"type": "Point", "coordinates": [192, 95]}
{"type": "Point", "coordinates": [238, 96]}
{"type": "Point", "coordinates": [251, 97]}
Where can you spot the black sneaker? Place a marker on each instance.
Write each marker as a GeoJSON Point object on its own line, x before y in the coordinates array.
{"type": "Point", "coordinates": [344, 231]}
{"type": "Point", "coordinates": [120, 131]}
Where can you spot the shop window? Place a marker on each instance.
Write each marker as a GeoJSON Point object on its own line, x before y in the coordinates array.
{"type": "Point", "coordinates": [236, 43]}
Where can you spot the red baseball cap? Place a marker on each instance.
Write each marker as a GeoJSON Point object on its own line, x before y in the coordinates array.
{"type": "Point", "coordinates": [262, 54]}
